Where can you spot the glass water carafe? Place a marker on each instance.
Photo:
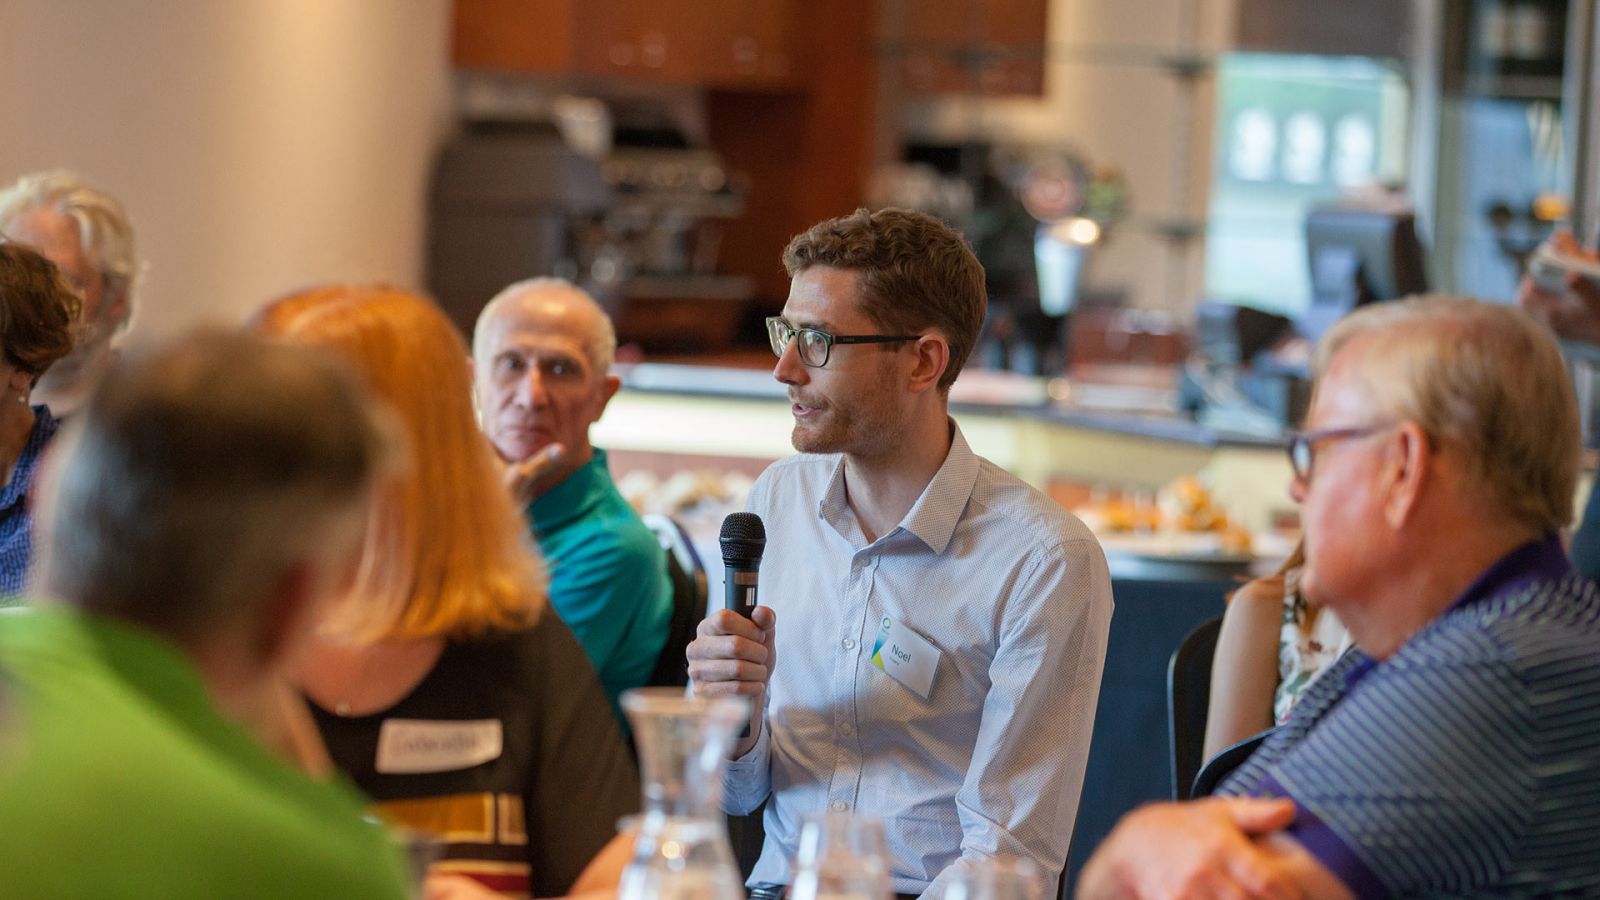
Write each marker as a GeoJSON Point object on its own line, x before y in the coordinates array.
{"type": "Point", "coordinates": [842, 857]}
{"type": "Point", "coordinates": [681, 847]}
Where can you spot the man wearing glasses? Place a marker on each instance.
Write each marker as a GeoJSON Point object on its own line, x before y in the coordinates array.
{"type": "Point", "coordinates": [933, 630]}
{"type": "Point", "coordinates": [1453, 751]}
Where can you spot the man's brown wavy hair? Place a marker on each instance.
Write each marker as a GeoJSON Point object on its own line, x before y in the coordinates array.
{"type": "Point", "coordinates": [917, 274]}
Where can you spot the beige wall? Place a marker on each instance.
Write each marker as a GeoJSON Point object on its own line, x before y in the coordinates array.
{"type": "Point", "coordinates": [1123, 110]}
{"type": "Point", "coordinates": [260, 145]}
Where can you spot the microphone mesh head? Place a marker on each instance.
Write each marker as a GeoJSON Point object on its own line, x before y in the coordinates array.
{"type": "Point", "coordinates": [743, 538]}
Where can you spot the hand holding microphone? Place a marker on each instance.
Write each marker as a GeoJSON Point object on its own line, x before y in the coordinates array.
{"type": "Point", "coordinates": [733, 653]}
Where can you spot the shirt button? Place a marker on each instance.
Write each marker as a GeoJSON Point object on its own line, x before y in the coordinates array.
{"type": "Point", "coordinates": [839, 806]}
{"type": "Point", "coordinates": [845, 728]}
{"type": "Point", "coordinates": [849, 643]}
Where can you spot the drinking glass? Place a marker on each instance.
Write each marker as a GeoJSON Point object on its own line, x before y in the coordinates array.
{"type": "Point", "coordinates": [842, 857]}
{"type": "Point", "coordinates": [1000, 878]}
{"type": "Point", "coordinates": [420, 849]}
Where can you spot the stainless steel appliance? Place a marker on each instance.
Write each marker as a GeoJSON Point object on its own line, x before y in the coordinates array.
{"type": "Point", "coordinates": [637, 220]}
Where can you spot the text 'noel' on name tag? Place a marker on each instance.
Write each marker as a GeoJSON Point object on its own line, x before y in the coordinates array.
{"type": "Point", "coordinates": [906, 656]}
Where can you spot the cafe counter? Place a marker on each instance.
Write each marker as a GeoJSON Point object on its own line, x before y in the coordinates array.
{"type": "Point", "coordinates": [1048, 433]}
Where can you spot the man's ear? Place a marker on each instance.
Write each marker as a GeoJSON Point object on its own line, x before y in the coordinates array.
{"type": "Point", "coordinates": [1408, 471]}
{"type": "Point", "coordinates": [608, 389]}
{"type": "Point", "coordinates": [114, 309]}
{"type": "Point", "coordinates": [932, 358]}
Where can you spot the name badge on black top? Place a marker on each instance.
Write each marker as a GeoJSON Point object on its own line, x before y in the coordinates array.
{"type": "Point", "coordinates": [412, 746]}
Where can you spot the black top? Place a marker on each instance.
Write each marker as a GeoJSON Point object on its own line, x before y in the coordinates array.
{"type": "Point", "coordinates": [508, 750]}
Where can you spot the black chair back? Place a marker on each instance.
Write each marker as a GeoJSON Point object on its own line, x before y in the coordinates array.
{"type": "Point", "coordinates": [1188, 696]}
{"type": "Point", "coordinates": [688, 577]}
{"type": "Point", "coordinates": [1222, 765]}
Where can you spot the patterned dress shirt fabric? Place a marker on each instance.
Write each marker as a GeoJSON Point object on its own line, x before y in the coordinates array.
{"type": "Point", "coordinates": [1466, 764]}
{"type": "Point", "coordinates": [16, 543]}
{"type": "Point", "coordinates": [1014, 594]}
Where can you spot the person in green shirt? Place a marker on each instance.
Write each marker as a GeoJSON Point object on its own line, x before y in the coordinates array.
{"type": "Point", "coordinates": [542, 352]}
{"type": "Point", "coordinates": [191, 521]}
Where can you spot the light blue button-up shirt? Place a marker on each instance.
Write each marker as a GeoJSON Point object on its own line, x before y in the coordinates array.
{"type": "Point", "coordinates": [1013, 592]}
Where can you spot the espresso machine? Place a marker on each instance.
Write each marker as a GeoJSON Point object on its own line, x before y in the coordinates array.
{"type": "Point", "coordinates": [511, 201]}
{"type": "Point", "coordinates": [631, 208]}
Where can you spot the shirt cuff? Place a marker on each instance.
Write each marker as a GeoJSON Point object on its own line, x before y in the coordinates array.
{"type": "Point", "coordinates": [1326, 846]}
{"type": "Point", "coordinates": [749, 778]}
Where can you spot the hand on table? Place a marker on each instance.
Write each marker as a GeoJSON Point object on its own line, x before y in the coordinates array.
{"type": "Point", "coordinates": [459, 887]}
{"type": "Point", "coordinates": [1203, 849]}
{"type": "Point", "coordinates": [456, 887]}
{"type": "Point", "coordinates": [734, 656]}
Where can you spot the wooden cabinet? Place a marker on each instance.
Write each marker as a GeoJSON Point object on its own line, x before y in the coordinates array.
{"type": "Point", "coordinates": [791, 93]}
{"type": "Point", "coordinates": [715, 43]}
{"type": "Point", "coordinates": [991, 47]}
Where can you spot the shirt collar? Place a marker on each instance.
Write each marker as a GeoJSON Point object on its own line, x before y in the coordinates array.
{"type": "Point", "coordinates": [1542, 559]}
{"type": "Point", "coordinates": [44, 428]}
{"type": "Point", "coordinates": [933, 517]}
{"type": "Point", "coordinates": [145, 662]}
{"type": "Point", "coordinates": [573, 497]}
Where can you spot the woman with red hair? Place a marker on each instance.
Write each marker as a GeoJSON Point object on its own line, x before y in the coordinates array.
{"type": "Point", "coordinates": [440, 683]}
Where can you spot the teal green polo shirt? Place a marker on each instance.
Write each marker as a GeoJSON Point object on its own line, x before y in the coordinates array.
{"type": "Point", "coordinates": [608, 575]}
{"type": "Point", "coordinates": [120, 779]}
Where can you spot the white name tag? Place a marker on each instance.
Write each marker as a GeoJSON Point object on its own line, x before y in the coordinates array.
{"type": "Point", "coordinates": [906, 656]}
{"type": "Point", "coordinates": [411, 746]}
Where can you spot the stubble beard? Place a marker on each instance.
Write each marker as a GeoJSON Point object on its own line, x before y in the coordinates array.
{"type": "Point", "coordinates": [860, 432]}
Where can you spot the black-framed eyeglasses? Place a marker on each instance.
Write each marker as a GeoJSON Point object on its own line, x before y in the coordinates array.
{"type": "Point", "coordinates": [814, 346]}
{"type": "Point", "coordinates": [1302, 444]}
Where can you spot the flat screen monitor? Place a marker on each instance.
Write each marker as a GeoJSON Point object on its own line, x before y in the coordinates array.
{"type": "Point", "coordinates": [1359, 256]}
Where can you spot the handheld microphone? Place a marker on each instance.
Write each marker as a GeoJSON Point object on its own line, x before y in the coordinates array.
{"type": "Point", "coordinates": [743, 538]}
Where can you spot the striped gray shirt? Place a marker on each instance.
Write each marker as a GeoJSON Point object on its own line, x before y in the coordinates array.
{"type": "Point", "coordinates": [1467, 764]}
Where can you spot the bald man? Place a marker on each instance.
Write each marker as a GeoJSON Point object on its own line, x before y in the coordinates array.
{"type": "Point", "coordinates": [542, 355]}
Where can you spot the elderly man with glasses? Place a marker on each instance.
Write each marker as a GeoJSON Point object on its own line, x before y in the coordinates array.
{"type": "Point", "coordinates": [1455, 750]}
{"type": "Point", "coordinates": [933, 630]}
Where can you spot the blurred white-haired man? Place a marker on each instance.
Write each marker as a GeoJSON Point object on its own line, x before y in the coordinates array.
{"type": "Point", "coordinates": [86, 233]}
